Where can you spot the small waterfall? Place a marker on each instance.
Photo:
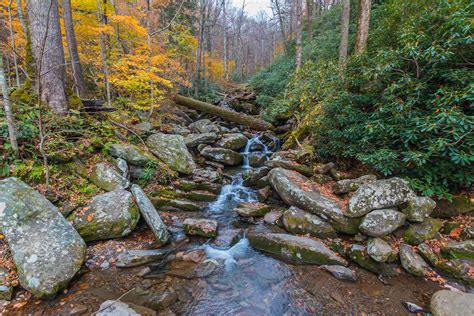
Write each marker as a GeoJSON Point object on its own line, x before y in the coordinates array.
{"type": "Point", "coordinates": [233, 194]}
{"type": "Point", "coordinates": [248, 150]}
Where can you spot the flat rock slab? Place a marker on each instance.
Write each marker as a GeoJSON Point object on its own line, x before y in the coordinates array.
{"type": "Point", "coordinates": [108, 178]}
{"type": "Point", "coordinates": [134, 258]}
{"type": "Point", "coordinates": [297, 221]}
{"type": "Point", "coordinates": [200, 227]}
{"type": "Point", "coordinates": [46, 249]}
{"type": "Point", "coordinates": [297, 249]}
{"type": "Point", "coordinates": [132, 154]}
{"type": "Point", "coordinates": [225, 156]}
{"type": "Point", "coordinates": [451, 303]}
{"type": "Point", "coordinates": [172, 150]}
{"type": "Point", "coordinates": [253, 209]}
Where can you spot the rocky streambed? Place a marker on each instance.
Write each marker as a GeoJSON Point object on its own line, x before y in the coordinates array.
{"type": "Point", "coordinates": [247, 229]}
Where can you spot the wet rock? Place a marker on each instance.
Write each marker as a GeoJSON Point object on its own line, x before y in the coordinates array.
{"type": "Point", "coordinates": [264, 193]}
{"type": "Point", "coordinates": [78, 310]}
{"type": "Point", "coordinates": [228, 238]}
{"type": "Point", "coordinates": [296, 190]}
{"type": "Point", "coordinates": [294, 248]}
{"type": "Point", "coordinates": [297, 221]}
{"type": "Point", "coordinates": [418, 233]}
{"type": "Point", "coordinates": [225, 156]}
{"type": "Point", "coordinates": [379, 250]}
{"type": "Point", "coordinates": [204, 126]}
{"type": "Point", "coordinates": [251, 176]}
{"type": "Point", "coordinates": [108, 215]}
{"type": "Point", "coordinates": [419, 208]}
{"type": "Point", "coordinates": [199, 196]}
{"type": "Point", "coordinates": [459, 250]}
{"type": "Point", "coordinates": [452, 303]}
{"type": "Point", "coordinates": [192, 185]}
{"type": "Point", "coordinates": [108, 178]}
{"type": "Point", "coordinates": [46, 249]}
{"type": "Point", "coordinates": [235, 141]}
{"type": "Point", "coordinates": [290, 165]}
{"type": "Point", "coordinates": [274, 217]}
{"type": "Point", "coordinates": [196, 256]}
{"type": "Point", "coordinates": [183, 205]}
{"type": "Point", "coordinates": [200, 227]}
{"type": "Point", "coordinates": [252, 209]}
{"type": "Point", "coordinates": [351, 185]}
{"type": "Point", "coordinates": [134, 258]}
{"type": "Point", "coordinates": [262, 182]}
{"type": "Point", "coordinates": [359, 255]}
{"type": "Point", "coordinates": [111, 308]}
{"type": "Point", "coordinates": [206, 175]}
{"type": "Point", "coordinates": [324, 168]}
{"type": "Point", "coordinates": [382, 222]}
{"type": "Point", "coordinates": [172, 150]}
{"type": "Point", "coordinates": [411, 261]}
{"type": "Point", "coordinates": [380, 194]}
{"type": "Point", "coordinates": [151, 215]}
{"type": "Point", "coordinates": [460, 204]}
{"type": "Point", "coordinates": [193, 140]}
{"type": "Point", "coordinates": [6, 290]}
{"type": "Point", "coordinates": [132, 154]}
{"type": "Point", "coordinates": [257, 159]}
{"type": "Point", "coordinates": [341, 273]}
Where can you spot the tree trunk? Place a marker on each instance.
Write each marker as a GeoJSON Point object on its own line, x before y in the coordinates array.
{"type": "Point", "coordinates": [48, 51]}
{"type": "Point", "coordinates": [103, 49]}
{"type": "Point", "coordinates": [309, 17]}
{"type": "Point", "coordinates": [299, 27]}
{"type": "Point", "coordinates": [7, 109]}
{"type": "Point", "coordinates": [200, 47]}
{"type": "Point", "coordinates": [344, 44]}
{"type": "Point", "coordinates": [12, 37]}
{"type": "Point", "coordinates": [224, 23]}
{"type": "Point", "coordinates": [229, 115]}
{"type": "Point", "coordinates": [363, 20]}
{"type": "Point", "coordinates": [77, 74]}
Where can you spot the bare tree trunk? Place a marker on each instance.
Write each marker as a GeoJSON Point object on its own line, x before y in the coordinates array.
{"type": "Point", "coordinates": [48, 50]}
{"type": "Point", "coordinates": [202, 18]}
{"type": "Point", "coordinates": [12, 37]}
{"type": "Point", "coordinates": [363, 20]}
{"type": "Point", "coordinates": [150, 52]}
{"type": "Point", "coordinates": [7, 109]}
{"type": "Point", "coordinates": [309, 17]}
{"type": "Point", "coordinates": [101, 5]}
{"type": "Point", "coordinates": [123, 43]}
{"type": "Point", "coordinates": [77, 74]}
{"type": "Point", "coordinates": [344, 44]}
{"type": "Point", "coordinates": [224, 24]}
{"type": "Point", "coordinates": [299, 27]}
{"type": "Point", "coordinates": [281, 22]}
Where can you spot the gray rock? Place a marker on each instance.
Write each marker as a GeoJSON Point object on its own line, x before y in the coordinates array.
{"type": "Point", "coordinates": [257, 159]}
{"type": "Point", "coordinates": [461, 204]}
{"type": "Point", "coordinates": [108, 178]}
{"type": "Point", "coordinates": [459, 250]}
{"type": "Point", "coordinates": [108, 215]}
{"type": "Point", "coordinates": [297, 221]}
{"type": "Point", "coordinates": [324, 168]}
{"type": "Point", "coordinates": [143, 126]}
{"type": "Point", "coordinates": [179, 130]}
{"type": "Point", "coordinates": [296, 190]}
{"type": "Point", "coordinates": [132, 154]}
{"type": "Point", "coordinates": [123, 167]}
{"type": "Point", "coordinates": [204, 126]}
{"type": "Point", "coordinates": [206, 175]}
{"type": "Point", "coordinates": [341, 273]}
{"type": "Point", "coordinates": [359, 255]}
{"type": "Point", "coordinates": [183, 205]}
{"type": "Point", "coordinates": [46, 249]}
{"type": "Point", "coordinates": [6, 290]}
{"type": "Point", "coordinates": [452, 303]}
{"type": "Point", "coordinates": [412, 262]}
{"type": "Point", "coordinates": [252, 209]}
{"type": "Point", "coordinates": [200, 227]}
{"type": "Point", "coordinates": [295, 248]}
{"type": "Point", "coordinates": [193, 140]}
{"type": "Point", "coordinates": [274, 217]}
{"type": "Point", "coordinates": [235, 141]}
{"type": "Point", "coordinates": [290, 165]}
{"type": "Point", "coordinates": [115, 308]}
{"type": "Point", "coordinates": [379, 250]}
{"type": "Point", "coordinates": [134, 258]}
{"type": "Point", "coordinates": [418, 233]}
{"type": "Point", "coordinates": [380, 194]}
{"type": "Point", "coordinates": [172, 150]}
{"type": "Point", "coordinates": [151, 215]}
{"type": "Point", "coordinates": [419, 208]}
{"type": "Point", "coordinates": [351, 185]}
{"type": "Point", "coordinates": [382, 222]}
{"type": "Point", "coordinates": [251, 176]}
{"type": "Point", "coordinates": [225, 156]}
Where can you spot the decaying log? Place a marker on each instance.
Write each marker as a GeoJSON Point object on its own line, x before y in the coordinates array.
{"type": "Point", "coordinates": [239, 118]}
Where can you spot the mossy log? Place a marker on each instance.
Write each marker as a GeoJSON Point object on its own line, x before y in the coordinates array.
{"type": "Point", "coordinates": [239, 118]}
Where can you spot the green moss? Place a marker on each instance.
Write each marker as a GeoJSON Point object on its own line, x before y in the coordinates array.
{"type": "Point", "coordinates": [418, 233]}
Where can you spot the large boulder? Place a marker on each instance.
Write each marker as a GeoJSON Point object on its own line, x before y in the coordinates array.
{"type": "Point", "coordinates": [193, 140]}
{"type": "Point", "coordinates": [350, 185]}
{"type": "Point", "coordinates": [251, 176]}
{"type": "Point", "coordinates": [452, 303]}
{"type": "Point", "coordinates": [297, 221]}
{"type": "Point", "coordinates": [235, 141]}
{"type": "Point", "coordinates": [200, 227]}
{"type": "Point", "coordinates": [108, 178]}
{"type": "Point", "coordinates": [46, 249]}
{"type": "Point", "coordinates": [132, 154]}
{"type": "Point", "coordinates": [379, 195]}
{"type": "Point", "coordinates": [295, 248]}
{"type": "Point", "coordinates": [151, 215]}
{"type": "Point", "coordinates": [108, 215]}
{"type": "Point", "coordinates": [172, 150]}
{"type": "Point", "coordinates": [418, 233]}
{"type": "Point", "coordinates": [459, 250]}
{"type": "Point", "coordinates": [225, 156]}
{"type": "Point", "coordinates": [460, 204]}
{"type": "Point", "coordinates": [382, 222]}
{"type": "Point", "coordinates": [290, 165]}
{"type": "Point", "coordinates": [411, 261]}
{"type": "Point", "coordinates": [204, 126]}
{"type": "Point", "coordinates": [419, 208]}
{"type": "Point", "coordinates": [252, 209]}
{"type": "Point", "coordinates": [296, 190]}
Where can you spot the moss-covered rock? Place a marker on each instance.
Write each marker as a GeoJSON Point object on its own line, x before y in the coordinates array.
{"type": "Point", "coordinates": [411, 261]}
{"type": "Point", "coordinates": [252, 209]}
{"type": "Point", "coordinates": [459, 250]}
{"type": "Point", "coordinates": [200, 227]}
{"type": "Point", "coordinates": [108, 178]}
{"type": "Point", "coordinates": [294, 248]}
{"type": "Point", "coordinates": [132, 154]}
{"type": "Point", "coordinates": [109, 215]}
{"type": "Point", "coordinates": [194, 140]}
{"type": "Point", "coordinates": [460, 204]}
{"type": "Point", "coordinates": [359, 255]}
{"type": "Point", "coordinates": [418, 233]}
{"type": "Point", "coordinates": [234, 141]}
{"type": "Point", "coordinates": [252, 176]}
{"type": "Point", "coordinates": [419, 208]}
{"type": "Point", "coordinates": [290, 165]}
{"type": "Point", "coordinates": [351, 185]}
{"type": "Point", "coordinates": [382, 222]}
{"type": "Point", "coordinates": [257, 159]}
{"type": "Point", "coordinates": [224, 156]}
{"type": "Point", "coordinates": [187, 186]}
{"type": "Point", "coordinates": [172, 150]}
{"type": "Point", "coordinates": [379, 250]}
{"type": "Point", "coordinates": [297, 221]}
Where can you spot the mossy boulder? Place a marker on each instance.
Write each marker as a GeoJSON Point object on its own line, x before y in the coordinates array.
{"type": "Point", "coordinates": [108, 177]}
{"type": "Point", "coordinates": [382, 222]}
{"type": "Point", "coordinates": [204, 126]}
{"type": "Point", "coordinates": [200, 227]}
{"type": "Point", "coordinates": [188, 186]}
{"type": "Point", "coordinates": [452, 303]}
{"type": "Point", "coordinates": [46, 249]}
{"type": "Point", "coordinates": [418, 233]}
{"type": "Point", "coordinates": [109, 215]}
{"type": "Point", "coordinates": [297, 221]}
{"type": "Point", "coordinates": [193, 140]}
{"type": "Point", "coordinates": [234, 141]}
{"type": "Point", "coordinates": [172, 150]}
{"type": "Point", "coordinates": [132, 154]}
{"type": "Point", "coordinates": [252, 209]}
{"type": "Point", "coordinates": [359, 255]}
{"type": "Point", "coordinates": [460, 204]}
{"type": "Point", "coordinates": [381, 194]}
{"type": "Point", "coordinates": [351, 185]}
{"type": "Point", "coordinates": [419, 208]}
{"type": "Point", "coordinates": [257, 159]}
{"type": "Point", "coordinates": [252, 176]}
{"type": "Point", "coordinates": [294, 248]}
{"type": "Point", "coordinates": [459, 250]}
{"type": "Point", "coordinates": [224, 156]}
{"type": "Point", "coordinates": [290, 165]}
{"type": "Point", "coordinates": [411, 261]}
{"type": "Point", "coordinates": [379, 250]}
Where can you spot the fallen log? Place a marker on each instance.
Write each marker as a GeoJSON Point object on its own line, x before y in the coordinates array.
{"type": "Point", "coordinates": [239, 118]}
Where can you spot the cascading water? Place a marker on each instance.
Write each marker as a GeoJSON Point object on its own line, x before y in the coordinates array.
{"type": "Point", "coordinates": [248, 150]}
